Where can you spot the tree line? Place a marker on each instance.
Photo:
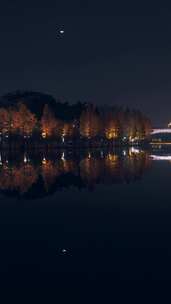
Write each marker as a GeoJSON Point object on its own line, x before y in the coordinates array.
{"type": "Point", "coordinates": [101, 123]}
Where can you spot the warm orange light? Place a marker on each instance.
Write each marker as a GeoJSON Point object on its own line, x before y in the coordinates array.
{"type": "Point", "coordinates": [112, 133]}
{"type": "Point", "coordinates": [112, 157]}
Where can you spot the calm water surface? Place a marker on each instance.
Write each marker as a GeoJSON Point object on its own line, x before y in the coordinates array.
{"type": "Point", "coordinates": [71, 219]}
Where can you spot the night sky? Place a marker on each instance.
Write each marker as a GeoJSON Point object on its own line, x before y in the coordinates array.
{"type": "Point", "coordinates": [116, 53]}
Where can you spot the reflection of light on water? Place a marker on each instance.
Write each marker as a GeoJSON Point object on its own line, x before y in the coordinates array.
{"type": "Point", "coordinates": [124, 153]}
{"type": "Point", "coordinates": [44, 161]}
{"type": "Point", "coordinates": [63, 156]}
{"type": "Point", "coordinates": [0, 160]}
{"type": "Point", "coordinates": [112, 157]}
{"type": "Point", "coordinates": [161, 157]}
{"type": "Point", "coordinates": [103, 168]}
{"type": "Point", "coordinates": [44, 134]}
{"type": "Point", "coordinates": [89, 155]}
{"type": "Point", "coordinates": [134, 150]}
{"type": "Point", "coordinates": [25, 159]}
{"type": "Point", "coordinates": [64, 250]}
{"type": "Point", "coordinates": [101, 154]}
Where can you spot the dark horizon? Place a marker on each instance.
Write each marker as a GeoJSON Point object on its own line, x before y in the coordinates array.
{"type": "Point", "coordinates": [108, 54]}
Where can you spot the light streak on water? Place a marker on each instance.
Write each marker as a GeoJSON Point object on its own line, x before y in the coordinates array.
{"type": "Point", "coordinates": [160, 131]}
{"type": "Point", "coordinates": [63, 156]}
{"type": "Point", "coordinates": [161, 157]}
{"type": "Point", "coordinates": [134, 150]}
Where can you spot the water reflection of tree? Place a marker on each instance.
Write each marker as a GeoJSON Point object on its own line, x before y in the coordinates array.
{"type": "Point", "coordinates": [90, 170]}
{"type": "Point", "coordinates": [50, 170]}
{"type": "Point", "coordinates": [113, 168]}
{"type": "Point", "coordinates": [18, 178]}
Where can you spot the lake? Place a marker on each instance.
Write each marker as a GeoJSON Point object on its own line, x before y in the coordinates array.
{"type": "Point", "coordinates": [73, 219]}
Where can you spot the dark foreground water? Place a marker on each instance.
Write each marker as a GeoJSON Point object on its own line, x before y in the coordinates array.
{"type": "Point", "coordinates": [83, 223]}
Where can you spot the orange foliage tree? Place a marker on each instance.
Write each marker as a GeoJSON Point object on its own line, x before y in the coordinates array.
{"type": "Point", "coordinates": [89, 123]}
{"type": "Point", "coordinates": [67, 129]}
{"type": "Point", "coordinates": [111, 126]}
{"type": "Point", "coordinates": [15, 121]}
{"type": "Point", "coordinates": [27, 120]}
{"type": "Point", "coordinates": [4, 121]}
{"type": "Point", "coordinates": [48, 122]}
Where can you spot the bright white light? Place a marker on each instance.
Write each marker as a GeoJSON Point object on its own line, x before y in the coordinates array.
{"type": "Point", "coordinates": [25, 159]}
{"type": "Point", "coordinates": [61, 32]}
{"type": "Point", "coordinates": [159, 131]}
{"type": "Point", "coordinates": [63, 156]}
{"type": "Point", "coordinates": [161, 157]}
{"type": "Point", "coordinates": [64, 250]}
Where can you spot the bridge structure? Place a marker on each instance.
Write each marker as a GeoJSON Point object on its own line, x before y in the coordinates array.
{"type": "Point", "coordinates": [161, 131]}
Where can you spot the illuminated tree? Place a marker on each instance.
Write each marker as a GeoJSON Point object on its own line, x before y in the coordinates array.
{"type": "Point", "coordinates": [15, 121]}
{"type": "Point", "coordinates": [48, 123]}
{"type": "Point", "coordinates": [58, 128]}
{"type": "Point", "coordinates": [111, 127]}
{"type": "Point", "coordinates": [27, 120]}
{"type": "Point", "coordinates": [4, 121]}
{"type": "Point", "coordinates": [67, 129]}
{"type": "Point", "coordinates": [130, 126]}
{"type": "Point", "coordinates": [147, 127]}
{"type": "Point", "coordinates": [89, 123]}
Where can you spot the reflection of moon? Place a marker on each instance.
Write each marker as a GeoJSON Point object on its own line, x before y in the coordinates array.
{"type": "Point", "coordinates": [60, 32]}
